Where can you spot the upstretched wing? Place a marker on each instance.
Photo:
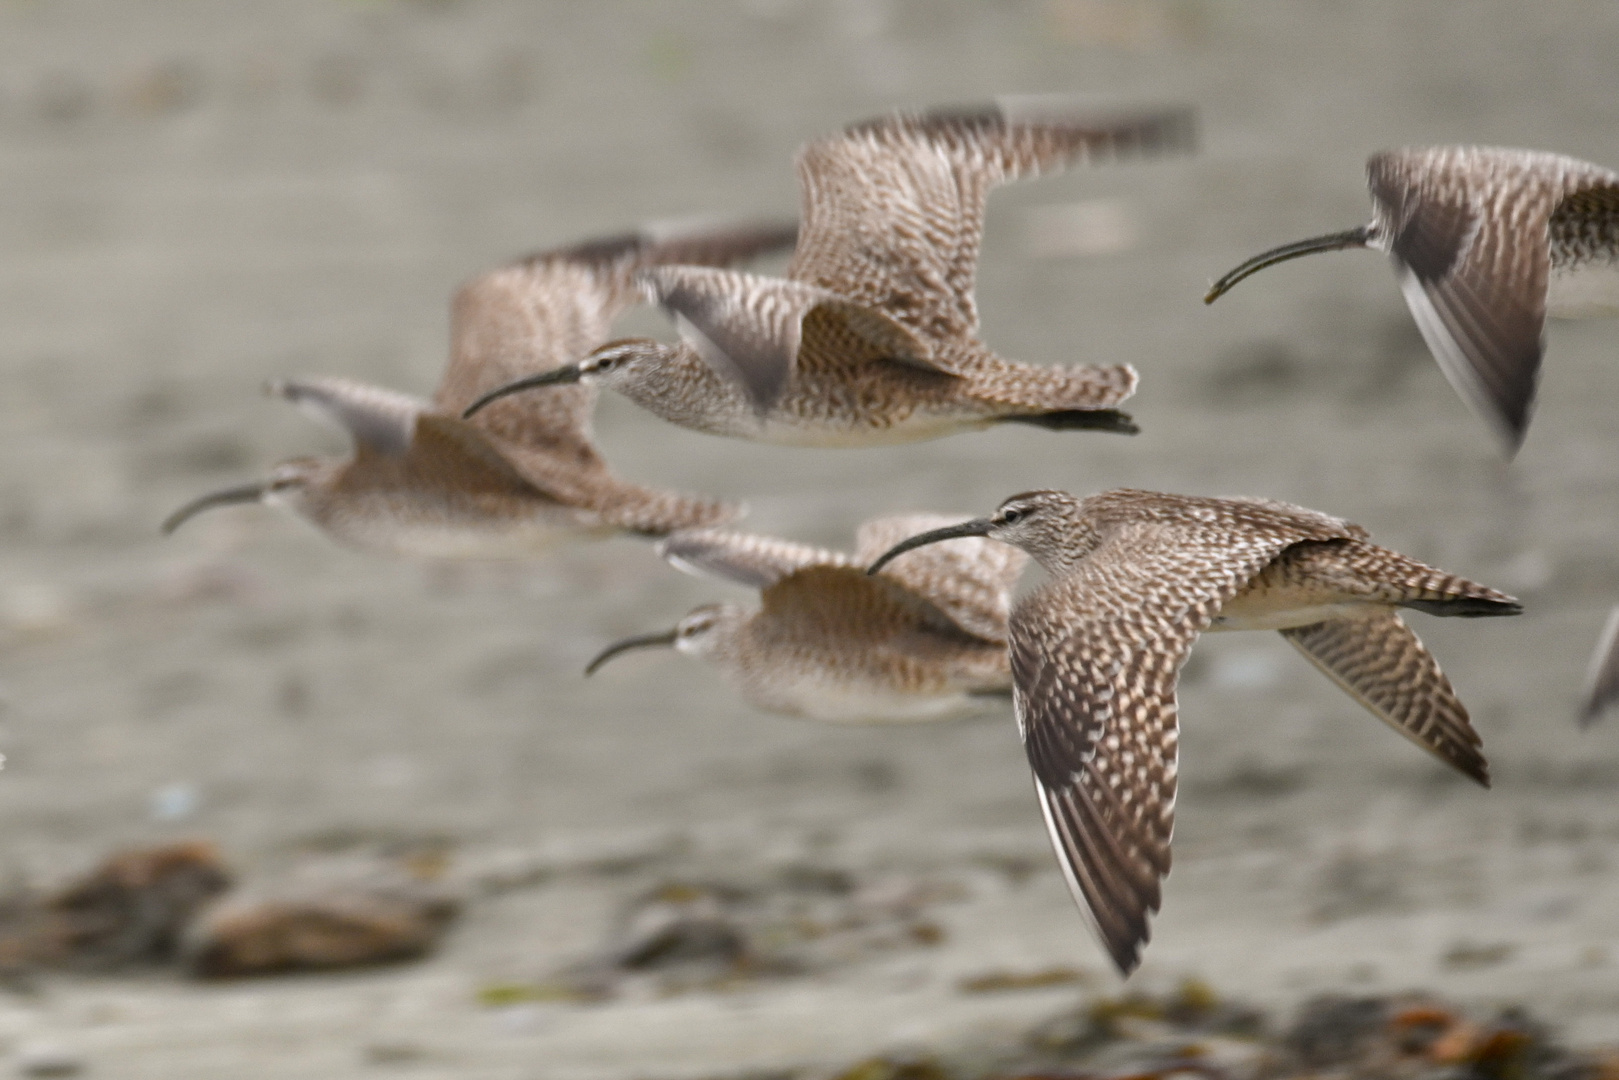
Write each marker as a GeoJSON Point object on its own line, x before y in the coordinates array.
{"type": "Point", "coordinates": [1470, 240]}
{"type": "Point", "coordinates": [1095, 660]}
{"type": "Point", "coordinates": [380, 421]}
{"type": "Point", "coordinates": [1383, 665]}
{"type": "Point", "coordinates": [754, 330]}
{"type": "Point", "coordinates": [1602, 683]}
{"type": "Point", "coordinates": [970, 579]}
{"type": "Point", "coordinates": [745, 558]}
{"type": "Point", "coordinates": [552, 308]}
{"type": "Point", "coordinates": [893, 208]}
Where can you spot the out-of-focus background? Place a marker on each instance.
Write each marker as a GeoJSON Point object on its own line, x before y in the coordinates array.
{"type": "Point", "coordinates": [195, 197]}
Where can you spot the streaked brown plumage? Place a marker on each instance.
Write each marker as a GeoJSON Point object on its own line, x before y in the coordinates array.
{"type": "Point", "coordinates": [525, 474]}
{"type": "Point", "coordinates": [1486, 242]}
{"type": "Point", "coordinates": [834, 643]}
{"type": "Point", "coordinates": [872, 337]}
{"type": "Point", "coordinates": [1096, 652]}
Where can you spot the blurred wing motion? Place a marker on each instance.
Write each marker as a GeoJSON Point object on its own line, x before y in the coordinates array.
{"type": "Point", "coordinates": [380, 421]}
{"type": "Point", "coordinates": [1475, 234]}
{"type": "Point", "coordinates": [893, 208]}
{"type": "Point", "coordinates": [1602, 684]}
{"type": "Point", "coordinates": [744, 558]}
{"type": "Point", "coordinates": [552, 308]}
{"type": "Point", "coordinates": [752, 329]}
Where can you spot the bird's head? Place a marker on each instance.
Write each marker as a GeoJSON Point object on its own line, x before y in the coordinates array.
{"type": "Point", "coordinates": [1040, 522]}
{"type": "Point", "coordinates": [701, 633]}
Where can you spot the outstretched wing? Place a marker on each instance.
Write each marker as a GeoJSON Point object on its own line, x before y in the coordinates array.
{"type": "Point", "coordinates": [1095, 660]}
{"type": "Point", "coordinates": [970, 579]}
{"type": "Point", "coordinates": [1382, 664]}
{"type": "Point", "coordinates": [893, 208]}
{"type": "Point", "coordinates": [1470, 240]}
{"type": "Point", "coordinates": [745, 558]}
{"type": "Point", "coordinates": [380, 421]}
{"type": "Point", "coordinates": [753, 329]}
{"type": "Point", "coordinates": [554, 307]}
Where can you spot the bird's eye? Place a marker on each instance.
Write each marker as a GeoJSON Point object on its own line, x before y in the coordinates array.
{"type": "Point", "coordinates": [1010, 516]}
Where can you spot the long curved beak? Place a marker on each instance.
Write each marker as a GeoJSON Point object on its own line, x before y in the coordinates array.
{"type": "Point", "coordinates": [1332, 242]}
{"type": "Point", "coordinates": [975, 527]}
{"type": "Point", "coordinates": [665, 639]}
{"type": "Point", "coordinates": [555, 377]}
{"type": "Point", "coordinates": [247, 493]}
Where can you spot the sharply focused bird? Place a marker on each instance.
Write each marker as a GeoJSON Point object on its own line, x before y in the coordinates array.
{"type": "Point", "coordinates": [924, 641]}
{"type": "Point", "coordinates": [1486, 242]}
{"type": "Point", "coordinates": [1136, 576]}
{"type": "Point", "coordinates": [872, 337]}
{"type": "Point", "coordinates": [424, 482]}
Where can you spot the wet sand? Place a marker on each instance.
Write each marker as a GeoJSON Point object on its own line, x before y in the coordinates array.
{"type": "Point", "coordinates": [197, 197]}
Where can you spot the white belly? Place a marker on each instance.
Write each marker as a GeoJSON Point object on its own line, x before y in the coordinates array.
{"type": "Point", "coordinates": [1591, 289]}
{"type": "Point", "coordinates": [1271, 618]}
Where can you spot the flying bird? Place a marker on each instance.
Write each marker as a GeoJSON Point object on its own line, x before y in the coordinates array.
{"type": "Point", "coordinates": [525, 474]}
{"type": "Point", "coordinates": [830, 642]}
{"type": "Point", "coordinates": [872, 338]}
{"type": "Point", "coordinates": [1136, 576]}
{"type": "Point", "coordinates": [1602, 681]}
{"type": "Point", "coordinates": [1486, 243]}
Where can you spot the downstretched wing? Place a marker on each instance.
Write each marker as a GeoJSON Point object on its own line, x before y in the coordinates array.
{"type": "Point", "coordinates": [1095, 660]}
{"type": "Point", "coordinates": [380, 421]}
{"type": "Point", "coordinates": [745, 558]}
{"type": "Point", "coordinates": [554, 307]}
{"type": "Point", "coordinates": [970, 579]}
{"type": "Point", "coordinates": [1383, 665]}
{"type": "Point", "coordinates": [754, 330]}
{"type": "Point", "coordinates": [1472, 242]}
{"type": "Point", "coordinates": [893, 208]}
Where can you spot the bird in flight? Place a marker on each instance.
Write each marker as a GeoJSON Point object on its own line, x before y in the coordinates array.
{"type": "Point", "coordinates": [1486, 243]}
{"type": "Point", "coordinates": [1096, 652]}
{"type": "Point", "coordinates": [525, 474]}
{"type": "Point", "coordinates": [872, 336]}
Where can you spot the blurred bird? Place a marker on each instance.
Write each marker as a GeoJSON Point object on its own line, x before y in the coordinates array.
{"type": "Point", "coordinates": [1096, 652]}
{"type": "Point", "coordinates": [872, 337]}
{"type": "Point", "coordinates": [831, 642]}
{"type": "Point", "coordinates": [524, 475]}
{"type": "Point", "coordinates": [1602, 682]}
{"type": "Point", "coordinates": [1486, 243]}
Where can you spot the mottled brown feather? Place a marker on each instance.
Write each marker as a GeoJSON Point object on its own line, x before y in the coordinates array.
{"type": "Point", "coordinates": [1379, 662]}
{"type": "Point", "coordinates": [1474, 232]}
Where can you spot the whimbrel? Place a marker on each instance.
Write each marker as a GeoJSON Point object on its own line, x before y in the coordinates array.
{"type": "Point", "coordinates": [1486, 243]}
{"type": "Point", "coordinates": [424, 482]}
{"type": "Point", "coordinates": [872, 337]}
{"type": "Point", "coordinates": [1136, 577]}
{"type": "Point", "coordinates": [924, 641]}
